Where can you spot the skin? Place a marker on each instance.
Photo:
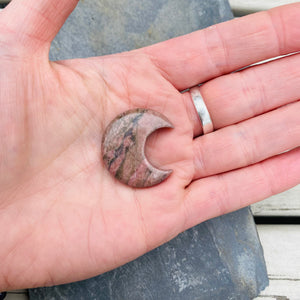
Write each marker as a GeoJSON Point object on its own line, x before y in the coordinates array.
{"type": "Point", "coordinates": [62, 216]}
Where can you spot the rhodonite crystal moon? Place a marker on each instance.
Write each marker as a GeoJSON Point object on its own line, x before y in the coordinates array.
{"type": "Point", "coordinates": [123, 147]}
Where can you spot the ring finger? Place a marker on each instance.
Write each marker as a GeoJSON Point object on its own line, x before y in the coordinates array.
{"type": "Point", "coordinates": [242, 95]}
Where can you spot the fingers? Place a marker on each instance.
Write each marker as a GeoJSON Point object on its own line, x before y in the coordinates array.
{"type": "Point", "coordinates": [254, 91]}
{"type": "Point", "coordinates": [239, 96]}
{"type": "Point", "coordinates": [36, 22]}
{"type": "Point", "coordinates": [247, 143]}
{"type": "Point", "coordinates": [220, 194]}
{"type": "Point", "coordinates": [223, 48]}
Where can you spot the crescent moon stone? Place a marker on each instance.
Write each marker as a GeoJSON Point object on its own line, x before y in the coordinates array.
{"type": "Point", "coordinates": [123, 147]}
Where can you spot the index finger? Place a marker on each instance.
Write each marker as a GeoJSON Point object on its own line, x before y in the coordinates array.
{"type": "Point", "coordinates": [202, 55]}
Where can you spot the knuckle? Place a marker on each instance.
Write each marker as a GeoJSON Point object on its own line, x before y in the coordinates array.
{"type": "Point", "coordinates": [217, 49]}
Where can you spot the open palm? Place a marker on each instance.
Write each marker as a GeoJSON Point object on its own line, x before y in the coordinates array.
{"type": "Point", "coordinates": [63, 217]}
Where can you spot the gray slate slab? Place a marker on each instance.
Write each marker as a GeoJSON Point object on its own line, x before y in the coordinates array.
{"type": "Point", "coordinates": [99, 27]}
{"type": "Point", "coordinates": [218, 259]}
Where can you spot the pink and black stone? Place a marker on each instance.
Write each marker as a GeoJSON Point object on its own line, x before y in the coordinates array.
{"type": "Point", "coordinates": [123, 147]}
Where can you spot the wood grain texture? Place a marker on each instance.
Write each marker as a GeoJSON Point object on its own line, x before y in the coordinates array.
{"type": "Point", "coordinates": [281, 290]}
{"type": "Point", "coordinates": [284, 204]}
{"type": "Point", "coordinates": [281, 244]}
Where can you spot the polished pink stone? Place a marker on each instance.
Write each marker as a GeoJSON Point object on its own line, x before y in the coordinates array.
{"type": "Point", "coordinates": [123, 147]}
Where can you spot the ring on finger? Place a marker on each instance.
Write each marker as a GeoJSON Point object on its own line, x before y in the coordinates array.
{"type": "Point", "coordinates": [202, 110]}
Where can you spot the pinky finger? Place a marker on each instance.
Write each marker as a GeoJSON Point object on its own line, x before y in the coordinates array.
{"type": "Point", "coordinates": [220, 194]}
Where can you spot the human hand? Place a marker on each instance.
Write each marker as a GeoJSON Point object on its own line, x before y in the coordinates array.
{"type": "Point", "coordinates": [62, 216]}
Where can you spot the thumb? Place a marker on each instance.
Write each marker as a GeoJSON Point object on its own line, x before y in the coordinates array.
{"type": "Point", "coordinates": [34, 23]}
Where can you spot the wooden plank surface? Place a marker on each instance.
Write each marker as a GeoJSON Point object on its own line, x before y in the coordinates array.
{"type": "Point", "coordinates": [284, 204]}
{"type": "Point", "coordinates": [243, 7]}
{"type": "Point", "coordinates": [17, 295]}
{"type": "Point", "coordinates": [281, 244]}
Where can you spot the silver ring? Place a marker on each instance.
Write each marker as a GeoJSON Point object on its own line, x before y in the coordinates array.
{"type": "Point", "coordinates": [202, 111]}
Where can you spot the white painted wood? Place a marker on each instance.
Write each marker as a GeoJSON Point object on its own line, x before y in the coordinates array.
{"type": "Point", "coordinates": [284, 204]}
{"type": "Point", "coordinates": [281, 289]}
{"type": "Point", "coordinates": [281, 244]}
{"type": "Point", "coordinates": [17, 295]}
{"type": "Point", "coordinates": [242, 7]}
